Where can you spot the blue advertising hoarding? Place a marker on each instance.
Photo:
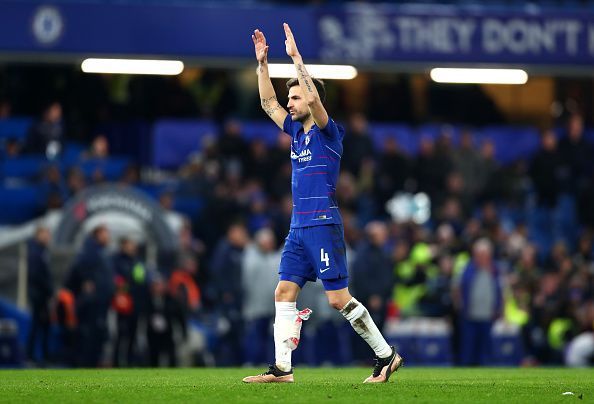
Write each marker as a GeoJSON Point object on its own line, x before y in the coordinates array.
{"type": "Point", "coordinates": [361, 34]}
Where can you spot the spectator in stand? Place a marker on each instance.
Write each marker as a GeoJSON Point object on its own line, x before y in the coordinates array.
{"type": "Point", "coordinates": [585, 203]}
{"type": "Point", "coordinates": [5, 109]}
{"type": "Point", "coordinates": [489, 185]}
{"type": "Point", "coordinates": [259, 167]}
{"type": "Point", "coordinates": [75, 181]}
{"type": "Point", "coordinates": [226, 291]}
{"type": "Point", "coordinates": [40, 289]}
{"type": "Point", "coordinates": [392, 172]}
{"type": "Point", "coordinates": [545, 171]}
{"type": "Point", "coordinates": [231, 144]}
{"type": "Point", "coordinates": [437, 301]}
{"type": "Point", "coordinates": [576, 156]}
{"type": "Point", "coordinates": [46, 136]}
{"type": "Point", "coordinates": [430, 171]}
{"type": "Point", "coordinates": [259, 277]}
{"type": "Point", "coordinates": [526, 270]}
{"type": "Point", "coordinates": [53, 181]}
{"type": "Point", "coordinates": [183, 287]}
{"type": "Point", "coordinates": [91, 280]}
{"type": "Point", "coordinates": [451, 213]}
{"type": "Point", "coordinates": [131, 176]}
{"type": "Point", "coordinates": [99, 149]}
{"type": "Point", "coordinates": [467, 161]}
{"type": "Point", "coordinates": [456, 188]}
{"type": "Point", "coordinates": [372, 278]}
{"type": "Point", "coordinates": [173, 218]}
{"type": "Point", "coordinates": [280, 167]}
{"type": "Point", "coordinates": [12, 148]}
{"type": "Point", "coordinates": [133, 286]}
{"type": "Point", "coordinates": [166, 324]}
{"type": "Point", "coordinates": [479, 300]}
{"type": "Point", "coordinates": [358, 145]}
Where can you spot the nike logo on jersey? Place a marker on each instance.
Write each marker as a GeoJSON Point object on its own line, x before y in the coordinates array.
{"type": "Point", "coordinates": [324, 270]}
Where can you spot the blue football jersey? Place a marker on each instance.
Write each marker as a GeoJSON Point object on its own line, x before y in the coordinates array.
{"type": "Point", "coordinates": [315, 158]}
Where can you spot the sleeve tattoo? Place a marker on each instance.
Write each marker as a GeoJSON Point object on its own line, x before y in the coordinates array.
{"type": "Point", "coordinates": [305, 77]}
{"type": "Point", "coordinates": [270, 105]}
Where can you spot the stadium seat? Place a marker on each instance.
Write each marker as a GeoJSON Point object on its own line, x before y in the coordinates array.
{"type": "Point", "coordinates": [23, 168]}
{"type": "Point", "coordinates": [20, 204]}
{"type": "Point", "coordinates": [71, 154]}
{"type": "Point", "coordinates": [264, 130]}
{"type": "Point", "coordinates": [511, 143]}
{"type": "Point", "coordinates": [402, 133]}
{"type": "Point", "coordinates": [190, 206]}
{"type": "Point", "coordinates": [112, 168]}
{"type": "Point", "coordinates": [175, 140]}
{"type": "Point", "coordinates": [16, 127]}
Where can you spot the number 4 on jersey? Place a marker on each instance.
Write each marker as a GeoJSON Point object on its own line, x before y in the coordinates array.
{"type": "Point", "coordinates": [324, 257]}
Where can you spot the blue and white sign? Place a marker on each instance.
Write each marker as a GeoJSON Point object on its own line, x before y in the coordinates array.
{"type": "Point", "coordinates": [367, 33]}
{"type": "Point", "coordinates": [47, 25]}
{"type": "Point", "coordinates": [360, 34]}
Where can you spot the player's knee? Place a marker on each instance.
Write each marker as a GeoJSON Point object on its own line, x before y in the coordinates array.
{"type": "Point", "coordinates": [283, 293]}
{"type": "Point", "coordinates": [336, 302]}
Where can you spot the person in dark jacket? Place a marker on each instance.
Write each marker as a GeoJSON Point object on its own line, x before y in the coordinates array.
{"type": "Point", "coordinates": [226, 291]}
{"type": "Point", "coordinates": [373, 278]}
{"type": "Point", "coordinates": [576, 156]}
{"type": "Point", "coordinates": [546, 171]}
{"type": "Point", "coordinates": [131, 301]}
{"type": "Point", "coordinates": [358, 145]}
{"type": "Point", "coordinates": [165, 314]}
{"type": "Point", "coordinates": [46, 136]}
{"type": "Point", "coordinates": [40, 289]}
{"type": "Point", "coordinates": [91, 280]}
{"type": "Point", "coordinates": [480, 303]}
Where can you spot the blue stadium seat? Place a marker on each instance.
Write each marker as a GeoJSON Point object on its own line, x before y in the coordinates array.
{"type": "Point", "coordinates": [264, 130]}
{"type": "Point", "coordinates": [402, 133]}
{"type": "Point", "coordinates": [511, 142]}
{"type": "Point", "coordinates": [20, 204]}
{"type": "Point", "coordinates": [112, 168]}
{"type": "Point", "coordinates": [16, 127]}
{"type": "Point", "coordinates": [434, 130]}
{"type": "Point", "coordinates": [189, 206]}
{"type": "Point", "coordinates": [175, 140]}
{"type": "Point", "coordinates": [71, 154]}
{"type": "Point", "coordinates": [152, 190]}
{"type": "Point", "coordinates": [23, 168]}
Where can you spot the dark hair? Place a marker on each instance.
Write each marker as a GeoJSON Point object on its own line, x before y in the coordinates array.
{"type": "Point", "coordinates": [320, 86]}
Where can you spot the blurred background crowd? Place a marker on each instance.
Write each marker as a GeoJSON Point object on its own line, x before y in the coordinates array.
{"type": "Point", "coordinates": [467, 214]}
{"type": "Point", "coordinates": [521, 230]}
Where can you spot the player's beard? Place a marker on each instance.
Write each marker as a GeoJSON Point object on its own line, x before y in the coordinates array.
{"type": "Point", "coordinates": [301, 117]}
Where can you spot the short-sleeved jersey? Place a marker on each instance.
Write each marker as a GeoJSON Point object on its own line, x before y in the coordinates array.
{"type": "Point", "coordinates": [315, 158]}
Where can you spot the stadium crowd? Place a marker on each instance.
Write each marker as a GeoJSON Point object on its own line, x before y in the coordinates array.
{"type": "Point", "coordinates": [509, 242]}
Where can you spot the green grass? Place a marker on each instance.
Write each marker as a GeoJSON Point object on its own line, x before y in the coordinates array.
{"type": "Point", "coordinates": [417, 385]}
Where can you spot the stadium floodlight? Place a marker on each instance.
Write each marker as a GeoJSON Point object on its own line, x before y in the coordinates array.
{"type": "Point", "coordinates": [478, 76]}
{"type": "Point", "coordinates": [132, 66]}
{"type": "Point", "coordinates": [330, 72]}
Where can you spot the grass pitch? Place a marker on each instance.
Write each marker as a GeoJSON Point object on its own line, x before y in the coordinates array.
{"type": "Point", "coordinates": [311, 385]}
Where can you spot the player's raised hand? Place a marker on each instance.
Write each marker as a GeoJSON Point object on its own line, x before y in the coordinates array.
{"type": "Point", "coordinates": [290, 45]}
{"type": "Point", "coordinates": [260, 46]}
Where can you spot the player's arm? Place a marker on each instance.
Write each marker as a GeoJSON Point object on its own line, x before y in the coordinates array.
{"type": "Point", "coordinates": [310, 92]}
{"type": "Point", "coordinates": [268, 100]}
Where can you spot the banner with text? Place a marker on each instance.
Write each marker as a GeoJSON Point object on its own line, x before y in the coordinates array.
{"type": "Point", "coordinates": [363, 34]}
